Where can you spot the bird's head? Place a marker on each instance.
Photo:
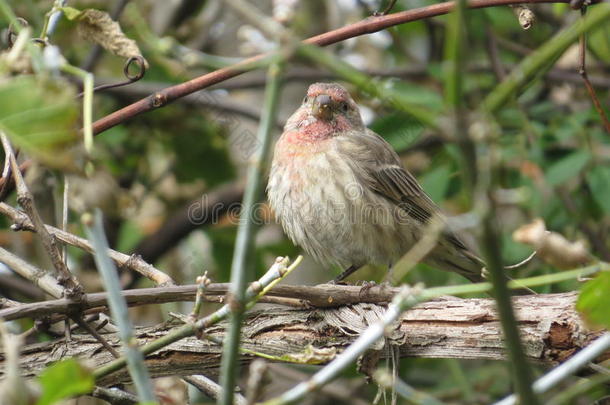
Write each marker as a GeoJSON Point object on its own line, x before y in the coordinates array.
{"type": "Point", "coordinates": [330, 101]}
{"type": "Point", "coordinates": [327, 110]}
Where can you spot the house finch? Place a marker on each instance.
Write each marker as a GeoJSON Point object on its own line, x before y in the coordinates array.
{"type": "Point", "coordinates": [342, 194]}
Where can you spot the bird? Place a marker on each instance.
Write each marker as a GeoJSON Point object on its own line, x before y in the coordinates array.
{"type": "Point", "coordinates": [341, 192]}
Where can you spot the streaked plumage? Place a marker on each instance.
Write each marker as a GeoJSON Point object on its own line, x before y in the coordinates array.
{"type": "Point", "coordinates": [342, 194]}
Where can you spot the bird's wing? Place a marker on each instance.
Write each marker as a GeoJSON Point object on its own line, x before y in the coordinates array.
{"type": "Point", "coordinates": [383, 172]}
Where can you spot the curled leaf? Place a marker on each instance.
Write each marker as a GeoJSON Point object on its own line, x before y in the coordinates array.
{"type": "Point", "coordinates": [97, 26]}
{"type": "Point", "coordinates": [552, 247]}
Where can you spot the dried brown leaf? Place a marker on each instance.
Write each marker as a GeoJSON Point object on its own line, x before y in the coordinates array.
{"type": "Point", "coordinates": [552, 247]}
{"type": "Point", "coordinates": [97, 26]}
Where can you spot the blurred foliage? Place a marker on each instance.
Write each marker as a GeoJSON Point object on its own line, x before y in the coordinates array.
{"type": "Point", "coordinates": [594, 300]}
{"type": "Point", "coordinates": [39, 115]}
{"type": "Point", "coordinates": [62, 380]}
{"type": "Point", "coordinates": [552, 149]}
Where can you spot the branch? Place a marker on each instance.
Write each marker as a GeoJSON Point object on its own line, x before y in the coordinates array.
{"type": "Point", "coordinates": [22, 222]}
{"type": "Point", "coordinates": [73, 288]}
{"type": "Point", "coordinates": [209, 100]}
{"type": "Point", "coordinates": [444, 328]}
{"type": "Point", "coordinates": [366, 26]}
{"type": "Point", "coordinates": [38, 277]}
{"type": "Point", "coordinates": [321, 296]}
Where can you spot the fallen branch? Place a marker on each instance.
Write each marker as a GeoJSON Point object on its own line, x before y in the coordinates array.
{"type": "Point", "coordinates": [444, 328]}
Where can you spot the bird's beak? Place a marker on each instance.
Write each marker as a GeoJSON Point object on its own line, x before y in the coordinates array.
{"type": "Point", "coordinates": [321, 107]}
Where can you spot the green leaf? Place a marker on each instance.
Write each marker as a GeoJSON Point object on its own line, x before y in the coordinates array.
{"type": "Point", "coordinates": [598, 180]}
{"type": "Point", "coordinates": [567, 167]}
{"type": "Point", "coordinates": [594, 300]}
{"type": "Point", "coordinates": [71, 13]}
{"type": "Point", "coordinates": [62, 380]}
{"type": "Point", "coordinates": [40, 117]}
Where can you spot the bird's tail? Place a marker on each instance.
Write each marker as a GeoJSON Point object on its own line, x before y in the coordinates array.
{"type": "Point", "coordinates": [461, 260]}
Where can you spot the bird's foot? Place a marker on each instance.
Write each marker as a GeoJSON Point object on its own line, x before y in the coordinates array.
{"type": "Point", "coordinates": [366, 286]}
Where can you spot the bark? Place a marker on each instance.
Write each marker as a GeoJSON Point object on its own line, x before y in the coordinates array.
{"type": "Point", "coordinates": [444, 328]}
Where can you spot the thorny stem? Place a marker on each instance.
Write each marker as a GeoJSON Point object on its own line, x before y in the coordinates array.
{"type": "Point", "coordinates": [243, 244]}
{"type": "Point", "coordinates": [490, 239]}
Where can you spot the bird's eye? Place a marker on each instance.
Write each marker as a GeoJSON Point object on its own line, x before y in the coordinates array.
{"type": "Point", "coordinates": [344, 107]}
{"type": "Point", "coordinates": [305, 99]}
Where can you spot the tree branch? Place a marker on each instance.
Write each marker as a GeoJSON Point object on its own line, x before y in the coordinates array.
{"type": "Point", "coordinates": [22, 222]}
{"type": "Point", "coordinates": [366, 26]}
{"type": "Point", "coordinates": [301, 296]}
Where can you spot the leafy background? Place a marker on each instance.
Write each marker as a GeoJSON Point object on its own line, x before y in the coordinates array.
{"type": "Point", "coordinates": [553, 150]}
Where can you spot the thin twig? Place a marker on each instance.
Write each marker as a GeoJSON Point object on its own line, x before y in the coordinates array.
{"type": "Point", "coordinates": [211, 388]}
{"type": "Point", "coordinates": [367, 26]}
{"type": "Point", "coordinates": [38, 277]}
{"type": "Point", "coordinates": [93, 332]}
{"type": "Point", "coordinates": [22, 222]}
{"type": "Point", "coordinates": [387, 8]}
{"type": "Point", "coordinates": [64, 214]}
{"type": "Point", "coordinates": [322, 296]}
{"type": "Point", "coordinates": [26, 200]}
{"type": "Point", "coordinates": [7, 182]}
{"type": "Point", "coordinates": [413, 72]}
{"type": "Point", "coordinates": [585, 77]}
{"type": "Point", "coordinates": [202, 283]}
